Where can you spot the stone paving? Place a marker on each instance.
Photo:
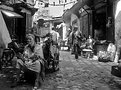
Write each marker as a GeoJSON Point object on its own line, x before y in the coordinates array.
{"type": "Point", "coordinates": [80, 74]}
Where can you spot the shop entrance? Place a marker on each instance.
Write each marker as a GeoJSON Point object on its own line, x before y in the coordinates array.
{"type": "Point", "coordinates": [100, 26]}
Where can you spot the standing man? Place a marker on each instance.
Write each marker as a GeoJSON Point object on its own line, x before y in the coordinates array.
{"type": "Point", "coordinates": [55, 40]}
{"type": "Point", "coordinates": [55, 35]}
{"type": "Point", "coordinates": [35, 32]}
{"type": "Point", "coordinates": [72, 38]}
{"type": "Point", "coordinates": [68, 38]}
{"type": "Point", "coordinates": [58, 38]}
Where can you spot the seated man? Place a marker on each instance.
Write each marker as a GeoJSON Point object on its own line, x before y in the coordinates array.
{"type": "Point", "coordinates": [90, 42]}
{"type": "Point", "coordinates": [31, 59]}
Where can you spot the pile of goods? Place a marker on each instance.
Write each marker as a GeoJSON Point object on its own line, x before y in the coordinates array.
{"type": "Point", "coordinates": [103, 56]}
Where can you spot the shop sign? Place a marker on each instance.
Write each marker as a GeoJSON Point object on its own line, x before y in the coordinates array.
{"type": "Point", "coordinates": [42, 13]}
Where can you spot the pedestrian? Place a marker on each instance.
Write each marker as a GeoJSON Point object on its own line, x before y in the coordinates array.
{"type": "Point", "coordinates": [55, 36]}
{"type": "Point", "coordinates": [58, 37]}
{"type": "Point", "coordinates": [35, 32]}
{"type": "Point", "coordinates": [54, 47]}
{"type": "Point", "coordinates": [74, 38]}
{"type": "Point", "coordinates": [68, 38]}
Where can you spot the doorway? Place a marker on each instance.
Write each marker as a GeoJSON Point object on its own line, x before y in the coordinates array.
{"type": "Point", "coordinates": [100, 26]}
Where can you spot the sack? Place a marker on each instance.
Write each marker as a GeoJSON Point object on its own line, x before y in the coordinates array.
{"type": "Point", "coordinates": [116, 58]}
{"type": "Point", "coordinates": [103, 56]}
{"type": "Point", "coordinates": [95, 57]}
{"type": "Point", "coordinates": [116, 71]}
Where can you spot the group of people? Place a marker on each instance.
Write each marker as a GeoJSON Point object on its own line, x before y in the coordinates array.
{"type": "Point", "coordinates": [76, 37]}
{"type": "Point", "coordinates": [32, 58]}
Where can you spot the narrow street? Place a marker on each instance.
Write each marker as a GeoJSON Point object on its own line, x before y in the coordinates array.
{"type": "Point", "coordinates": [81, 74]}
{"type": "Point", "coordinates": [35, 29]}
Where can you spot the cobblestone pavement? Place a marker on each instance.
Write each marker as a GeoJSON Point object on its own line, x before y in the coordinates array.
{"type": "Point", "coordinates": [81, 74]}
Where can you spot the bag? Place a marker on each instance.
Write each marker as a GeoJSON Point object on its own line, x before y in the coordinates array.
{"type": "Point", "coordinates": [103, 56]}
{"type": "Point", "coordinates": [116, 71]}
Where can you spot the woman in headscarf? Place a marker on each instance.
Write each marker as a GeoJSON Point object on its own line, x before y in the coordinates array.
{"type": "Point", "coordinates": [32, 59]}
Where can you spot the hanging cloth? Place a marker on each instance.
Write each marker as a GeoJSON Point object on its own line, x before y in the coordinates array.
{"type": "Point", "coordinates": [4, 34]}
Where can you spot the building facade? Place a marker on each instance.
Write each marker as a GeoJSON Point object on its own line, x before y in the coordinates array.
{"type": "Point", "coordinates": [117, 19]}
{"type": "Point", "coordinates": [51, 11]}
{"type": "Point", "coordinates": [98, 18]}
{"type": "Point", "coordinates": [93, 17]}
{"type": "Point", "coordinates": [18, 17]}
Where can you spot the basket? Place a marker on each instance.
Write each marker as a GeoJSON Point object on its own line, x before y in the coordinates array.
{"type": "Point", "coordinates": [103, 59]}
{"type": "Point", "coordinates": [103, 56]}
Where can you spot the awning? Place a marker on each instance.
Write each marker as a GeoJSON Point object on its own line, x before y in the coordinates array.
{"type": "Point", "coordinates": [11, 14]}
{"type": "Point", "coordinates": [75, 9]}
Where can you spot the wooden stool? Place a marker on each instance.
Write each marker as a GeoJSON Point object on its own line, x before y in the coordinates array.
{"type": "Point", "coordinates": [88, 52]}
